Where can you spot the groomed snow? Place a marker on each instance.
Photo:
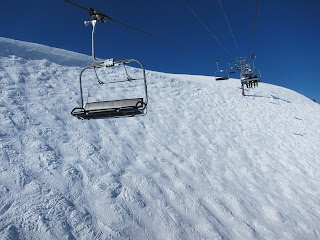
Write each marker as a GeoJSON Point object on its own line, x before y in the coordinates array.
{"type": "Point", "coordinates": [204, 163]}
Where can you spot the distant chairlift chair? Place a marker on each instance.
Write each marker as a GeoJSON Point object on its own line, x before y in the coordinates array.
{"type": "Point", "coordinates": [234, 69]}
{"type": "Point", "coordinates": [115, 108]}
{"type": "Point", "coordinates": [221, 74]}
{"type": "Point", "coordinates": [249, 75]}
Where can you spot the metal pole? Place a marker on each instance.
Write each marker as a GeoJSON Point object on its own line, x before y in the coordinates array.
{"type": "Point", "coordinates": [94, 22]}
{"type": "Point", "coordinates": [80, 81]}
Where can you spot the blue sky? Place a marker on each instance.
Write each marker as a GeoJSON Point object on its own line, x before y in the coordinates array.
{"type": "Point", "coordinates": [287, 39]}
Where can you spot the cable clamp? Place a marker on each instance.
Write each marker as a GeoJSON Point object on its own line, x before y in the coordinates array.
{"type": "Point", "coordinates": [98, 15]}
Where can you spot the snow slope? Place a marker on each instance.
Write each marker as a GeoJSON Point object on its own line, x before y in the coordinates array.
{"type": "Point", "coordinates": [204, 163]}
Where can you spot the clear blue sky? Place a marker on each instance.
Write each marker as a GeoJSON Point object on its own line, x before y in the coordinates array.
{"type": "Point", "coordinates": [287, 40]}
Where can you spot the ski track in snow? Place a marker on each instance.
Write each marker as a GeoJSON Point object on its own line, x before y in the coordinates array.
{"type": "Point", "coordinates": [204, 163]}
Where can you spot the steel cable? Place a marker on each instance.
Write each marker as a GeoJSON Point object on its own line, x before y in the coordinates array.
{"type": "Point", "coordinates": [225, 15]}
{"type": "Point", "coordinates": [205, 26]}
{"type": "Point", "coordinates": [254, 28]}
{"type": "Point", "coordinates": [146, 33]}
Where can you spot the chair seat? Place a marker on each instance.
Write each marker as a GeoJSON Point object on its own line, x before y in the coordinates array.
{"type": "Point", "coordinates": [115, 104]}
{"type": "Point", "coordinates": [250, 80]}
{"type": "Point", "coordinates": [111, 109]}
{"type": "Point", "coordinates": [222, 78]}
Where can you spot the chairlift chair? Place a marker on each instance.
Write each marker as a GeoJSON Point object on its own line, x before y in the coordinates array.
{"type": "Point", "coordinates": [127, 107]}
{"type": "Point", "coordinates": [249, 75]}
{"type": "Point", "coordinates": [253, 76]}
{"type": "Point", "coordinates": [233, 69]}
{"type": "Point", "coordinates": [221, 74]}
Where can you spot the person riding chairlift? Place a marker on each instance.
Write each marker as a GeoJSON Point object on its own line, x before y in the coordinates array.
{"type": "Point", "coordinates": [255, 82]}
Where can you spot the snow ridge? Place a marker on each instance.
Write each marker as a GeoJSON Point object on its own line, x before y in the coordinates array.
{"type": "Point", "coordinates": [34, 51]}
{"type": "Point", "coordinates": [204, 163]}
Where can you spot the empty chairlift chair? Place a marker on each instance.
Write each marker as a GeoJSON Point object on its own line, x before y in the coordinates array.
{"type": "Point", "coordinates": [233, 69]}
{"type": "Point", "coordinates": [221, 74]}
{"type": "Point", "coordinates": [124, 107]}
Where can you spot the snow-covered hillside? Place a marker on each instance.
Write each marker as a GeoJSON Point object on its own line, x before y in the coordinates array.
{"type": "Point", "coordinates": [204, 163]}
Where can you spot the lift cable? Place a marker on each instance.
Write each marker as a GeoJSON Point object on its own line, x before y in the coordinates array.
{"type": "Point", "coordinates": [205, 26]}
{"type": "Point", "coordinates": [254, 28]}
{"type": "Point", "coordinates": [76, 5]}
{"type": "Point", "coordinates": [164, 40]}
{"type": "Point", "coordinates": [104, 18]}
{"type": "Point", "coordinates": [225, 15]}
